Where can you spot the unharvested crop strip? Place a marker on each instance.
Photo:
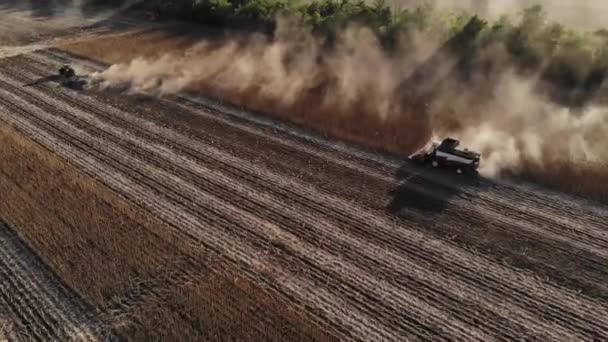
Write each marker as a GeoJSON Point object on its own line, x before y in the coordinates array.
{"type": "Point", "coordinates": [151, 257]}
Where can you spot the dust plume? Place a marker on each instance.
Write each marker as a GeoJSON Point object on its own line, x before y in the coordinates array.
{"type": "Point", "coordinates": [589, 14]}
{"type": "Point", "coordinates": [358, 91]}
{"type": "Point", "coordinates": [517, 130]}
{"type": "Point", "coordinates": [61, 8]}
{"type": "Point", "coordinates": [293, 73]}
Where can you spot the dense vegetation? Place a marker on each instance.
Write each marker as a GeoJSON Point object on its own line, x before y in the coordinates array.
{"type": "Point", "coordinates": [573, 62]}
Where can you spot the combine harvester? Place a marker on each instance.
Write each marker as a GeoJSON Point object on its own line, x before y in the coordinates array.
{"type": "Point", "coordinates": [70, 79]}
{"type": "Point", "coordinates": [446, 154]}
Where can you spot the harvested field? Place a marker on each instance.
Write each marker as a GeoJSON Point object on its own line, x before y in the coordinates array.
{"type": "Point", "coordinates": [234, 195]}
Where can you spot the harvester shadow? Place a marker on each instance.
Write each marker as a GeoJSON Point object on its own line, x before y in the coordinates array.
{"type": "Point", "coordinates": [80, 85]}
{"type": "Point", "coordinates": [41, 80]}
{"type": "Point", "coordinates": [425, 190]}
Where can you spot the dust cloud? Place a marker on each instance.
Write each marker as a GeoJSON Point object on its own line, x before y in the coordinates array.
{"type": "Point", "coordinates": [516, 130]}
{"type": "Point", "coordinates": [589, 14]}
{"type": "Point", "coordinates": [355, 90]}
{"type": "Point", "coordinates": [62, 8]}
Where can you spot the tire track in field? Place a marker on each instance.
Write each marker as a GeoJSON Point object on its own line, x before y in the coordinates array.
{"type": "Point", "coordinates": [39, 305]}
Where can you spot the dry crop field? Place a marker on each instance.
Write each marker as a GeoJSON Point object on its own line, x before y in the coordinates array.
{"type": "Point", "coordinates": [128, 217]}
